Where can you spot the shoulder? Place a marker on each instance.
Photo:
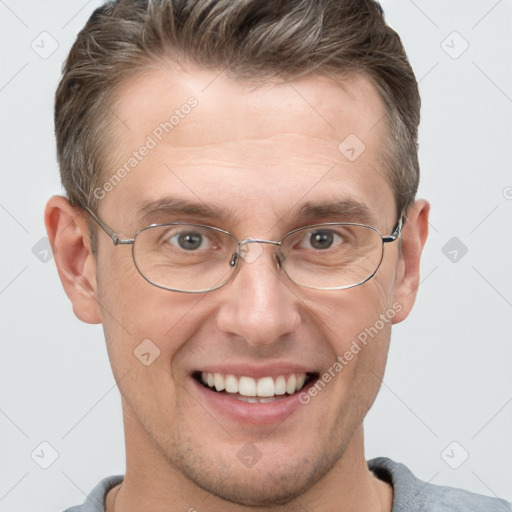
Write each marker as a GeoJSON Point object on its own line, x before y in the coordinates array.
{"type": "Point", "coordinates": [410, 494]}
{"type": "Point", "coordinates": [95, 501]}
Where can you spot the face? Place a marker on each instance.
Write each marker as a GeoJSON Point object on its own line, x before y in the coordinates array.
{"type": "Point", "coordinates": [257, 158]}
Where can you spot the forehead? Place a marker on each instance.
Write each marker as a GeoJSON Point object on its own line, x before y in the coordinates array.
{"type": "Point", "coordinates": [233, 145]}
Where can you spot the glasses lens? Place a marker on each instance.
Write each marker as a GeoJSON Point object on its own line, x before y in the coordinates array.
{"type": "Point", "coordinates": [184, 257]}
{"type": "Point", "coordinates": [332, 256]}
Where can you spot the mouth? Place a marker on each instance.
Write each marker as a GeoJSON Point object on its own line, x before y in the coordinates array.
{"type": "Point", "coordinates": [255, 390]}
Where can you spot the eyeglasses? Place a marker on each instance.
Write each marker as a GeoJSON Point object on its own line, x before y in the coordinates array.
{"type": "Point", "coordinates": [194, 258]}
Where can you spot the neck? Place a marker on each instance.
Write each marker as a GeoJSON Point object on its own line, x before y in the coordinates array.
{"type": "Point", "coordinates": [152, 484]}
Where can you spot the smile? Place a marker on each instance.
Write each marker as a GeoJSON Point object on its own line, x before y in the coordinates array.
{"type": "Point", "coordinates": [262, 390]}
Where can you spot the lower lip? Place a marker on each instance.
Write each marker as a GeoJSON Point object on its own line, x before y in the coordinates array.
{"type": "Point", "coordinates": [256, 414]}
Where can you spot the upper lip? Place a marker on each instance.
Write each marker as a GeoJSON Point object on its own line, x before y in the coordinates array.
{"type": "Point", "coordinates": [256, 371]}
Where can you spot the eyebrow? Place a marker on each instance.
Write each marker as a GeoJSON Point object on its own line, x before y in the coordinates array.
{"type": "Point", "coordinates": [347, 210]}
{"type": "Point", "coordinates": [169, 207]}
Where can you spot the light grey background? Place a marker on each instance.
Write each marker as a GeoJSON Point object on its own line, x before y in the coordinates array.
{"type": "Point", "coordinates": [449, 374]}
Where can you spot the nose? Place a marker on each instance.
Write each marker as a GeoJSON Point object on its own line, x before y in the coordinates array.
{"type": "Point", "coordinates": [259, 305]}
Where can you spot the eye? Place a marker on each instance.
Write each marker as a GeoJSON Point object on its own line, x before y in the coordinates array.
{"type": "Point", "coordinates": [189, 240]}
{"type": "Point", "coordinates": [321, 239]}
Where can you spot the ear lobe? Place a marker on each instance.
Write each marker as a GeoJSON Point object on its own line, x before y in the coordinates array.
{"type": "Point", "coordinates": [414, 236]}
{"type": "Point", "coordinates": [68, 235]}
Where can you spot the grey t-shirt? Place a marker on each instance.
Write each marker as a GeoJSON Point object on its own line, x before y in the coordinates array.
{"type": "Point", "coordinates": [409, 493]}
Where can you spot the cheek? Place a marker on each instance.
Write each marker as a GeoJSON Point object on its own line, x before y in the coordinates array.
{"type": "Point", "coordinates": [146, 329]}
{"type": "Point", "coordinates": [345, 314]}
{"type": "Point", "coordinates": [357, 327]}
{"type": "Point", "coordinates": [144, 326]}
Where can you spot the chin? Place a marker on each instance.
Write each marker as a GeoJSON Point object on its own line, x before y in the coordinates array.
{"type": "Point", "coordinates": [280, 476]}
{"type": "Point", "coordinates": [259, 487]}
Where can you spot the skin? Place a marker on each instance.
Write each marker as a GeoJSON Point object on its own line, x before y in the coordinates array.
{"type": "Point", "coordinates": [261, 152]}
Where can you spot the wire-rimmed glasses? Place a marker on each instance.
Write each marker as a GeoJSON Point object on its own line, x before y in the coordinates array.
{"type": "Point", "coordinates": [196, 258]}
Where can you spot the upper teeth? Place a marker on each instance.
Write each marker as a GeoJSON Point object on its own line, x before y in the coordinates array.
{"type": "Point", "coordinates": [247, 386]}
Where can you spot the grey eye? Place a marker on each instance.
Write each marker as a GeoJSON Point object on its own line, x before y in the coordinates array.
{"type": "Point", "coordinates": [322, 239]}
{"type": "Point", "coordinates": [189, 241]}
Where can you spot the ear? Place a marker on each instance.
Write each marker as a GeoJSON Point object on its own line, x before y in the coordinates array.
{"type": "Point", "coordinates": [76, 264]}
{"type": "Point", "coordinates": [414, 236]}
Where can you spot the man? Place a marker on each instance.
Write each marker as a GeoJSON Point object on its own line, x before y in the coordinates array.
{"type": "Point", "coordinates": [241, 218]}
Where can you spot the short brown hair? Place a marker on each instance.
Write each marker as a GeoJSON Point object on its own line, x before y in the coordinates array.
{"type": "Point", "coordinates": [250, 39]}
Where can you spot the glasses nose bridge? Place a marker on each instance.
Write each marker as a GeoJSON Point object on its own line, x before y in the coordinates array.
{"type": "Point", "coordinates": [248, 257]}
{"type": "Point", "coordinates": [257, 241]}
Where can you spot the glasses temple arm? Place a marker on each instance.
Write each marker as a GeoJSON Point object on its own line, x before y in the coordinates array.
{"type": "Point", "coordinates": [397, 229]}
{"type": "Point", "coordinates": [110, 232]}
